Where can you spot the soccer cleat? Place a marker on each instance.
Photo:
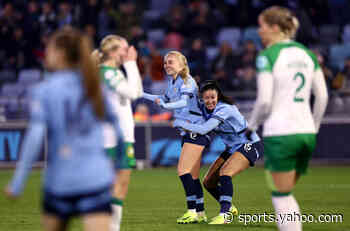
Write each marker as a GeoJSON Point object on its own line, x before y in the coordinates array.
{"type": "Point", "coordinates": [218, 220]}
{"type": "Point", "coordinates": [233, 210]}
{"type": "Point", "coordinates": [202, 218]}
{"type": "Point", "coordinates": [188, 218]}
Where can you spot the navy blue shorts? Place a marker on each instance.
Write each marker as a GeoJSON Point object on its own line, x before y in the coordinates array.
{"type": "Point", "coordinates": [252, 151]}
{"type": "Point", "coordinates": [194, 138]}
{"type": "Point", "coordinates": [65, 207]}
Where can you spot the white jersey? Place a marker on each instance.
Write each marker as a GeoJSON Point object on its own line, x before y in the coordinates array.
{"type": "Point", "coordinates": [121, 91]}
{"type": "Point", "coordinates": [288, 72]}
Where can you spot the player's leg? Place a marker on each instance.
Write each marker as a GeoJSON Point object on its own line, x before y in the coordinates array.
{"type": "Point", "coordinates": [120, 191]}
{"type": "Point", "coordinates": [53, 223]}
{"type": "Point", "coordinates": [283, 200]}
{"type": "Point", "coordinates": [202, 218]}
{"type": "Point", "coordinates": [283, 169]}
{"type": "Point", "coordinates": [189, 157]}
{"type": "Point", "coordinates": [121, 184]}
{"type": "Point", "coordinates": [233, 166]}
{"type": "Point", "coordinates": [97, 221]}
{"type": "Point", "coordinates": [211, 178]}
{"type": "Point", "coordinates": [240, 160]}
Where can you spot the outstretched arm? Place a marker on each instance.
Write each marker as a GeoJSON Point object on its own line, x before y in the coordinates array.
{"type": "Point", "coordinates": [177, 104]}
{"type": "Point", "coordinates": [151, 97]}
{"type": "Point", "coordinates": [202, 129]}
{"type": "Point", "coordinates": [29, 154]}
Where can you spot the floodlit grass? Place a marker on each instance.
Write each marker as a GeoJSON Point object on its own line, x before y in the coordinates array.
{"type": "Point", "coordinates": [156, 199]}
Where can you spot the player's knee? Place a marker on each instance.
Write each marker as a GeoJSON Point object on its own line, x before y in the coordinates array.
{"type": "Point", "coordinates": [284, 189]}
{"type": "Point", "coordinates": [182, 171]}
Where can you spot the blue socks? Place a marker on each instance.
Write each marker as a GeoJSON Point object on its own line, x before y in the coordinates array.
{"type": "Point", "coordinates": [199, 195]}
{"type": "Point", "coordinates": [190, 190]}
{"type": "Point", "coordinates": [215, 192]}
{"type": "Point", "coordinates": [226, 193]}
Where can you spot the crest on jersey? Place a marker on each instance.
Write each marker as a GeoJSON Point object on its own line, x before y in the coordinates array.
{"type": "Point", "coordinates": [262, 62]}
{"type": "Point", "coordinates": [109, 74]}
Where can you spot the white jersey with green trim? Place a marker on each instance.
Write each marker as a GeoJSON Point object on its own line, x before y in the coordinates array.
{"type": "Point", "coordinates": [295, 71]}
{"type": "Point", "coordinates": [122, 91]}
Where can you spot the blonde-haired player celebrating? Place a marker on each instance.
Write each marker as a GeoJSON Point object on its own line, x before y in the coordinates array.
{"type": "Point", "coordinates": [287, 74]}
{"type": "Point", "coordinates": [114, 51]}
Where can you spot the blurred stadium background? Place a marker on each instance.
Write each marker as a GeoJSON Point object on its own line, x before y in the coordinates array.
{"type": "Point", "coordinates": [220, 40]}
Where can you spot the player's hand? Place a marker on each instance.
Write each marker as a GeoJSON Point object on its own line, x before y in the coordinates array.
{"type": "Point", "coordinates": [157, 101]}
{"type": "Point", "coordinates": [248, 134]}
{"type": "Point", "coordinates": [131, 55]}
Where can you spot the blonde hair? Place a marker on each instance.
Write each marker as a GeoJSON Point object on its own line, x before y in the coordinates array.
{"type": "Point", "coordinates": [108, 43]}
{"type": "Point", "coordinates": [185, 71]}
{"type": "Point", "coordinates": [283, 18]}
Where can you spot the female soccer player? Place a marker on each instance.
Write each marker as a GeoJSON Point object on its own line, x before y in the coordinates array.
{"type": "Point", "coordinates": [114, 52]}
{"type": "Point", "coordinates": [181, 97]}
{"type": "Point", "coordinates": [287, 73]}
{"type": "Point", "coordinates": [223, 118]}
{"type": "Point", "coordinates": [71, 107]}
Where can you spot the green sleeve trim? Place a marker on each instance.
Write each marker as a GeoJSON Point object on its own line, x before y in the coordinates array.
{"type": "Point", "coordinates": [314, 59]}
{"type": "Point", "coordinates": [267, 58]}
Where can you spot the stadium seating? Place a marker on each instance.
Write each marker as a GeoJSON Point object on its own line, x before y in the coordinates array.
{"type": "Point", "coordinates": [231, 35]}
{"type": "Point", "coordinates": [251, 33]}
{"type": "Point", "coordinates": [338, 53]}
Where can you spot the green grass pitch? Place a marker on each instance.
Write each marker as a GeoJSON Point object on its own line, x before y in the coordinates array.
{"type": "Point", "coordinates": [156, 199]}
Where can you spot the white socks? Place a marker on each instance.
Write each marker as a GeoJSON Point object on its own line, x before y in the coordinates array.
{"type": "Point", "coordinates": [286, 208]}
{"type": "Point", "coordinates": [117, 211]}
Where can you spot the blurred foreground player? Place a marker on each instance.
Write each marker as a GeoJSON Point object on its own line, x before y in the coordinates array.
{"type": "Point", "coordinates": [71, 106]}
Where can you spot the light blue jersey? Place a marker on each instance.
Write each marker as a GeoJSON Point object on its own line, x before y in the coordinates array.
{"type": "Point", "coordinates": [77, 162]}
{"type": "Point", "coordinates": [182, 98]}
{"type": "Point", "coordinates": [226, 121]}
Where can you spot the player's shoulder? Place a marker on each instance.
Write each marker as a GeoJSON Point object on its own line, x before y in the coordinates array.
{"type": "Point", "coordinates": [107, 72]}
{"type": "Point", "coordinates": [190, 83]}
{"type": "Point", "coordinates": [223, 108]}
{"type": "Point", "coordinates": [55, 82]}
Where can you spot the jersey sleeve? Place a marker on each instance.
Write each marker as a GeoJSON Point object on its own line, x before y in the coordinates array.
{"type": "Point", "coordinates": [188, 89]}
{"type": "Point", "coordinates": [202, 129]}
{"type": "Point", "coordinates": [314, 60]}
{"type": "Point", "coordinates": [37, 106]}
{"type": "Point", "coordinates": [319, 89]}
{"type": "Point", "coordinates": [263, 101]}
{"type": "Point", "coordinates": [32, 141]}
{"type": "Point", "coordinates": [222, 113]}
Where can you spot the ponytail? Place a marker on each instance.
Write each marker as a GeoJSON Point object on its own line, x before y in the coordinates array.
{"type": "Point", "coordinates": [77, 50]}
{"type": "Point", "coordinates": [91, 80]}
{"type": "Point", "coordinates": [96, 56]}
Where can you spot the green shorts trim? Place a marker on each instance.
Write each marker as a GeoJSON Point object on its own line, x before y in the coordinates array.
{"type": "Point", "coordinates": [123, 159]}
{"type": "Point", "coordinates": [286, 153]}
